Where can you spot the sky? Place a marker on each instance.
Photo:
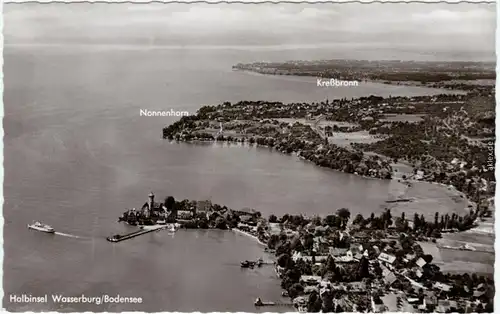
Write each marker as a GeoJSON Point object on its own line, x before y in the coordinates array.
{"type": "Point", "coordinates": [460, 27]}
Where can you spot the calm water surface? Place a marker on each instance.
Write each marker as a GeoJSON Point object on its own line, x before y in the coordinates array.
{"type": "Point", "coordinates": [77, 153]}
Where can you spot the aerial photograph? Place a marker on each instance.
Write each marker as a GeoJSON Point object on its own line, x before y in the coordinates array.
{"type": "Point", "coordinates": [194, 157]}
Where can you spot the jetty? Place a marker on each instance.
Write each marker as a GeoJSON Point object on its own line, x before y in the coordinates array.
{"type": "Point", "coordinates": [258, 263]}
{"type": "Point", "coordinates": [259, 302]}
{"type": "Point", "coordinates": [404, 200]}
{"type": "Point", "coordinates": [119, 238]}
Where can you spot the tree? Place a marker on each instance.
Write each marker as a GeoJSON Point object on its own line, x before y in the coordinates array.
{"type": "Point", "coordinates": [339, 309]}
{"type": "Point", "coordinates": [203, 223]}
{"type": "Point", "coordinates": [309, 241]}
{"type": "Point", "coordinates": [305, 267]}
{"type": "Point", "coordinates": [273, 219]}
{"type": "Point", "coordinates": [220, 223]}
{"type": "Point", "coordinates": [400, 224]}
{"type": "Point", "coordinates": [316, 221]}
{"type": "Point", "coordinates": [358, 219]}
{"type": "Point", "coordinates": [416, 222]}
{"type": "Point", "coordinates": [170, 202]}
{"type": "Point", "coordinates": [330, 220]}
{"type": "Point", "coordinates": [479, 308]}
{"type": "Point", "coordinates": [285, 218]}
{"type": "Point", "coordinates": [427, 258]}
{"type": "Point", "coordinates": [284, 260]}
{"type": "Point", "coordinates": [330, 264]}
{"type": "Point", "coordinates": [363, 268]}
{"type": "Point", "coordinates": [338, 222]}
{"type": "Point", "coordinates": [273, 241]}
{"type": "Point", "coordinates": [314, 303]}
{"type": "Point", "coordinates": [344, 213]}
{"type": "Point", "coordinates": [387, 218]}
{"type": "Point", "coordinates": [294, 274]}
{"type": "Point", "coordinates": [283, 248]}
{"type": "Point", "coordinates": [328, 305]}
{"type": "Point", "coordinates": [296, 245]}
{"type": "Point", "coordinates": [295, 290]}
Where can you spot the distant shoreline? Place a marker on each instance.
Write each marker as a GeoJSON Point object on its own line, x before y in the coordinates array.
{"type": "Point", "coordinates": [307, 78]}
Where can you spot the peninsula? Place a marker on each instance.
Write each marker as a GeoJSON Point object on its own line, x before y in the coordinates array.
{"type": "Point", "coordinates": [340, 263]}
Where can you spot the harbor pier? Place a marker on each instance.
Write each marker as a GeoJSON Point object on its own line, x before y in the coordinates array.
{"type": "Point", "coordinates": [119, 238]}
{"type": "Point", "coordinates": [259, 302]}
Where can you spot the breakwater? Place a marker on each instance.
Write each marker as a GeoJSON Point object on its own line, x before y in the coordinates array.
{"type": "Point", "coordinates": [119, 238]}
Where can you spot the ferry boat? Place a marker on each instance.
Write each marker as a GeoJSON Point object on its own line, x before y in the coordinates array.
{"type": "Point", "coordinates": [41, 227]}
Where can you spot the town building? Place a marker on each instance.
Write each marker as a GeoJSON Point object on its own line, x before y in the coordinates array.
{"type": "Point", "coordinates": [387, 259]}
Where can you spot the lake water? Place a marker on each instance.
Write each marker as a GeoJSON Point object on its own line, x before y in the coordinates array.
{"type": "Point", "coordinates": [77, 153]}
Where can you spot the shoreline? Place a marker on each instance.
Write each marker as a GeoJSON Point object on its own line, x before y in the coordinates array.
{"type": "Point", "coordinates": [393, 179]}
{"type": "Point", "coordinates": [249, 235]}
{"type": "Point", "coordinates": [198, 141]}
{"type": "Point", "coordinates": [449, 87]}
{"type": "Point", "coordinates": [308, 77]}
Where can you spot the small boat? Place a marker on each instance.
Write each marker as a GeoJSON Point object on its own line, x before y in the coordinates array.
{"type": "Point", "coordinates": [259, 262]}
{"type": "Point", "coordinates": [41, 227]}
{"type": "Point", "coordinates": [466, 247]}
{"type": "Point", "coordinates": [245, 264]}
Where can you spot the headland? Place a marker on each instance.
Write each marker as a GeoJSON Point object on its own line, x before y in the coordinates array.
{"type": "Point", "coordinates": [341, 263]}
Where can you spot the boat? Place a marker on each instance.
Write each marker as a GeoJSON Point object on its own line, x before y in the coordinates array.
{"type": "Point", "coordinates": [466, 247]}
{"type": "Point", "coordinates": [41, 227]}
{"type": "Point", "coordinates": [172, 228]}
{"type": "Point", "coordinates": [247, 264]}
{"type": "Point", "coordinates": [259, 262]}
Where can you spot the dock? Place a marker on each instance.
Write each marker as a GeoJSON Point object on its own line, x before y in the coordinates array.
{"type": "Point", "coordinates": [119, 238]}
{"type": "Point", "coordinates": [405, 200]}
{"type": "Point", "coordinates": [259, 302]}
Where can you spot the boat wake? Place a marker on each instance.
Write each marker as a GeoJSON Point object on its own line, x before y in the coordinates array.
{"type": "Point", "coordinates": [68, 235]}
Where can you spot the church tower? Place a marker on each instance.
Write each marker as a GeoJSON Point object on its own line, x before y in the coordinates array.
{"type": "Point", "coordinates": [151, 202]}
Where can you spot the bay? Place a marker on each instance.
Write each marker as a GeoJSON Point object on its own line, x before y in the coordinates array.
{"type": "Point", "coordinates": [77, 153]}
